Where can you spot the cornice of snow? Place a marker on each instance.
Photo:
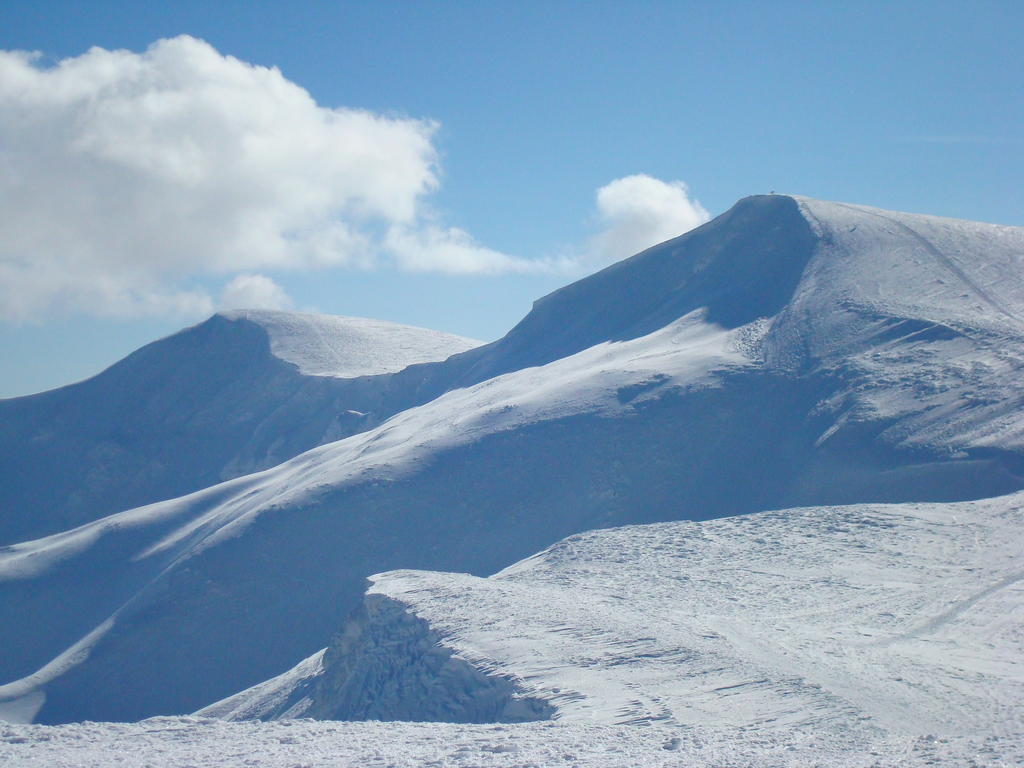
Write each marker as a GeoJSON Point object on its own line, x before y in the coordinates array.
{"type": "Point", "coordinates": [891, 617]}
{"type": "Point", "coordinates": [346, 347]}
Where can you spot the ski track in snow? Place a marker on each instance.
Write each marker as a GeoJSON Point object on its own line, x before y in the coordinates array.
{"type": "Point", "coordinates": [933, 625]}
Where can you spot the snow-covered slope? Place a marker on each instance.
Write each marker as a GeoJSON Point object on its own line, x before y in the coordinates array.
{"type": "Point", "coordinates": [790, 352]}
{"type": "Point", "coordinates": [904, 619]}
{"type": "Point", "coordinates": [924, 316]}
{"type": "Point", "coordinates": [869, 628]}
{"type": "Point", "coordinates": [242, 391]}
{"type": "Point", "coordinates": [173, 742]}
{"type": "Point", "coordinates": [347, 347]}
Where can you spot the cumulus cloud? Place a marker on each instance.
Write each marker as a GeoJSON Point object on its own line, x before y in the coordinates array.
{"type": "Point", "coordinates": [452, 250]}
{"type": "Point", "coordinates": [636, 212]}
{"type": "Point", "coordinates": [129, 182]}
{"type": "Point", "coordinates": [254, 292]}
{"type": "Point", "coordinates": [126, 178]}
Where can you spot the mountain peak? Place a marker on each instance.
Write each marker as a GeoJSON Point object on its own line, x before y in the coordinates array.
{"type": "Point", "coordinates": [345, 347]}
{"type": "Point", "coordinates": [241, 391]}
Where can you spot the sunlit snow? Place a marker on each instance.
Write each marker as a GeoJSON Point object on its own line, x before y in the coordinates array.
{"type": "Point", "coordinates": [812, 359]}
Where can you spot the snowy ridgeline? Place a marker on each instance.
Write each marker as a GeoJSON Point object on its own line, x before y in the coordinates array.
{"type": "Point", "coordinates": [789, 353]}
{"type": "Point", "coordinates": [241, 392]}
{"type": "Point", "coordinates": [347, 347]}
{"type": "Point", "coordinates": [859, 622]}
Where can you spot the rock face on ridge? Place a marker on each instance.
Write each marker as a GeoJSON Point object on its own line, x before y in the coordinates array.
{"type": "Point", "coordinates": [791, 352]}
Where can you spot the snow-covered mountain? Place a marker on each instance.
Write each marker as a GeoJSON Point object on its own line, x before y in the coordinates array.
{"type": "Point", "coordinates": [791, 352]}
{"type": "Point", "coordinates": [242, 391]}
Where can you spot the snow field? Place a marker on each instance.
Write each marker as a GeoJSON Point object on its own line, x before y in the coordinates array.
{"type": "Point", "coordinates": [189, 742]}
{"type": "Point", "coordinates": [344, 347]}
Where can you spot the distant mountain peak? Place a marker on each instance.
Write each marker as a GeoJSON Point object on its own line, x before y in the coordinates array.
{"type": "Point", "coordinates": [241, 391]}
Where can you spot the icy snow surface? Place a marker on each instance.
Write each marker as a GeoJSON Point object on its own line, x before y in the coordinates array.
{"type": "Point", "coordinates": [331, 345]}
{"type": "Point", "coordinates": [176, 742]}
{"type": "Point", "coordinates": [907, 618]}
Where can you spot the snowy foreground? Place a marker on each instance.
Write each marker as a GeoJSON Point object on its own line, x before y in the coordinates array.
{"type": "Point", "coordinates": [199, 742]}
{"type": "Point", "coordinates": [866, 635]}
{"type": "Point", "coordinates": [859, 635]}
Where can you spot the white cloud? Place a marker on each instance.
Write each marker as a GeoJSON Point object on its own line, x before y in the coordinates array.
{"type": "Point", "coordinates": [636, 212]}
{"type": "Point", "coordinates": [129, 179]}
{"type": "Point", "coordinates": [254, 292]}
{"type": "Point", "coordinates": [126, 176]}
{"type": "Point", "coordinates": [451, 250]}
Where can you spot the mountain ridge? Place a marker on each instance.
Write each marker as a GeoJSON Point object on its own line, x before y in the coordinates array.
{"type": "Point", "coordinates": [348, 347]}
{"type": "Point", "coordinates": [208, 403]}
{"type": "Point", "coordinates": [865, 385]}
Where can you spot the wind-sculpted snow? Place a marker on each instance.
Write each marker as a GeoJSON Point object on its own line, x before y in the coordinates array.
{"type": "Point", "coordinates": [164, 552]}
{"type": "Point", "coordinates": [855, 621]}
{"type": "Point", "coordinates": [387, 664]}
{"type": "Point", "coordinates": [788, 353]}
{"type": "Point", "coordinates": [241, 392]}
{"type": "Point", "coordinates": [347, 347]}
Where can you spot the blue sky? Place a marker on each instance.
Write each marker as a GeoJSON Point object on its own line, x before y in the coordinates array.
{"type": "Point", "coordinates": [534, 107]}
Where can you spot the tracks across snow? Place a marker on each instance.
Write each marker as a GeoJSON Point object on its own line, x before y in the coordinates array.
{"type": "Point", "coordinates": [829, 620]}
